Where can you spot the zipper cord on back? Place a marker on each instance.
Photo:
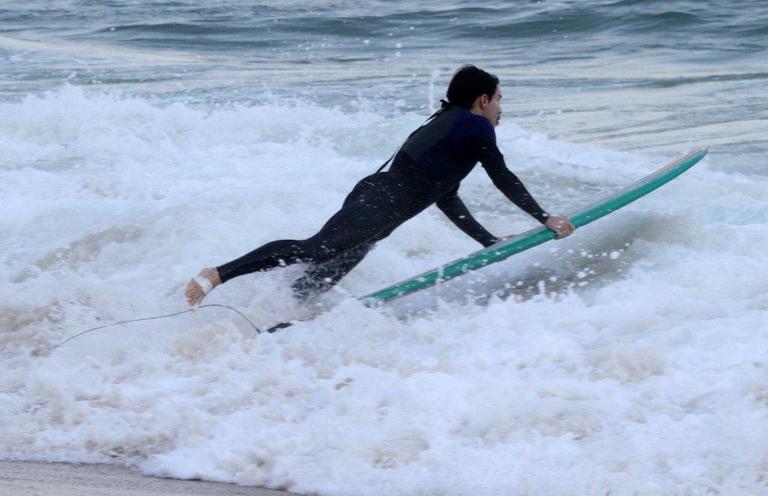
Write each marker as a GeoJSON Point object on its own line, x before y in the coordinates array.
{"type": "Point", "coordinates": [443, 105]}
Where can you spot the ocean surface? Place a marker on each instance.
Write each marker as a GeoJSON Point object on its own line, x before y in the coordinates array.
{"type": "Point", "coordinates": [142, 140]}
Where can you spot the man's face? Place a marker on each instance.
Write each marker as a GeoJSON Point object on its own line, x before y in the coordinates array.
{"type": "Point", "coordinates": [491, 108]}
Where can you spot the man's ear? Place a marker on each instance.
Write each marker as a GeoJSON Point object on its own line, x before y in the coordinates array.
{"type": "Point", "coordinates": [484, 100]}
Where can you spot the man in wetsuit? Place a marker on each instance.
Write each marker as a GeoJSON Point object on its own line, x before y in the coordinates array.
{"type": "Point", "coordinates": [426, 170]}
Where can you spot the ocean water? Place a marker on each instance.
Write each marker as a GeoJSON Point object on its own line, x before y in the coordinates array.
{"type": "Point", "coordinates": [142, 140]}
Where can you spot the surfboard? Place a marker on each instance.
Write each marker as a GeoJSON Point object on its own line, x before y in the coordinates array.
{"type": "Point", "coordinates": [535, 237]}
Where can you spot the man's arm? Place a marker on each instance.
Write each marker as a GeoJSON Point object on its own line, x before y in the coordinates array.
{"type": "Point", "coordinates": [504, 179]}
{"type": "Point", "coordinates": [515, 190]}
{"type": "Point", "coordinates": [457, 212]}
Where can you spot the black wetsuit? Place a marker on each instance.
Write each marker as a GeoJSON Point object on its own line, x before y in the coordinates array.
{"type": "Point", "coordinates": [426, 170]}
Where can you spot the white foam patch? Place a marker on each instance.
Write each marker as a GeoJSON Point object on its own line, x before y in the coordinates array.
{"type": "Point", "coordinates": [627, 359]}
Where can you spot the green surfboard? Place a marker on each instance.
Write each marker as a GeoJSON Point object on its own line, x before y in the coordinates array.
{"type": "Point", "coordinates": [535, 237]}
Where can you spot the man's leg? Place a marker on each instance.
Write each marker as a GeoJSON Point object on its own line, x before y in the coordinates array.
{"type": "Point", "coordinates": [322, 277]}
{"type": "Point", "coordinates": [368, 214]}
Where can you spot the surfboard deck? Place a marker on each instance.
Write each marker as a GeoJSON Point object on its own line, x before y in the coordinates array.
{"type": "Point", "coordinates": [536, 236]}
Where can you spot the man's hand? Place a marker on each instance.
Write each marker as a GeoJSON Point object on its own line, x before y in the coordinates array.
{"type": "Point", "coordinates": [561, 224]}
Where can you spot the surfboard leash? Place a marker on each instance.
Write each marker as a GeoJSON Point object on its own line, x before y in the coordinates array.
{"type": "Point", "coordinates": [113, 324]}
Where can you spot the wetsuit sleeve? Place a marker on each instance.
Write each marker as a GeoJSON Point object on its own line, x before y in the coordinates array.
{"type": "Point", "coordinates": [504, 179]}
{"type": "Point", "coordinates": [457, 212]}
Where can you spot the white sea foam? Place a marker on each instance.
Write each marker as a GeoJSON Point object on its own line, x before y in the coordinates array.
{"type": "Point", "coordinates": [627, 359]}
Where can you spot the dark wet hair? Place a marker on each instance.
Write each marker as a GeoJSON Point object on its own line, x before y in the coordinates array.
{"type": "Point", "coordinates": [468, 83]}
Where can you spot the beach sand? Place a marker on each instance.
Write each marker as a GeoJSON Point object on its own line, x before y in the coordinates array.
{"type": "Point", "coordinates": [65, 479]}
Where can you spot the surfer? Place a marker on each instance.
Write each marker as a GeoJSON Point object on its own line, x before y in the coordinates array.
{"type": "Point", "coordinates": [426, 170]}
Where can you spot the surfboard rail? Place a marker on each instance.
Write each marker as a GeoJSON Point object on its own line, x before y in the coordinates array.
{"type": "Point", "coordinates": [536, 236]}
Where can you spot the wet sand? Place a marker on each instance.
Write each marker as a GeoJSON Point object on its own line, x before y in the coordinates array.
{"type": "Point", "coordinates": [64, 479]}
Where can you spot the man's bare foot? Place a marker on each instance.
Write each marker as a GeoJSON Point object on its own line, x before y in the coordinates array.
{"type": "Point", "coordinates": [195, 292]}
